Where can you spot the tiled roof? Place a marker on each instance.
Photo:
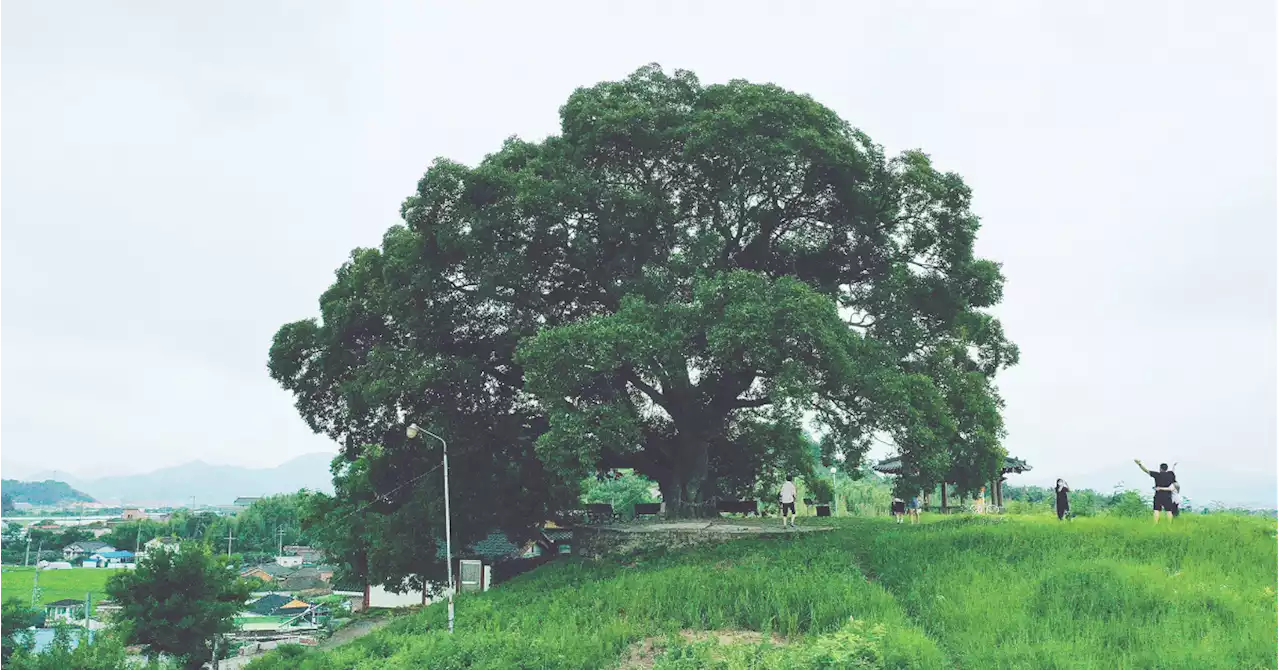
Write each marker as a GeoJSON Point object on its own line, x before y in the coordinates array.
{"type": "Point", "coordinates": [269, 603]}
{"type": "Point", "coordinates": [893, 466]}
{"type": "Point", "coordinates": [91, 546]}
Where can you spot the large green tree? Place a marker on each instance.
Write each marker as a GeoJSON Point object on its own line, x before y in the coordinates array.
{"type": "Point", "coordinates": [678, 282]}
{"type": "Point", "coordinates": [178, 603]}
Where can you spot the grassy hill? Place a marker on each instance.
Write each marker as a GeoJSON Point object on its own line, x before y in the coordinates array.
{"type": "Point", "coordinates": [1013, 592]}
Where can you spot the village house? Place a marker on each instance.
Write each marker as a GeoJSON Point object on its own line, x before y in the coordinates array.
{"type": "Point", "coordinates": [132, 514]}
{"type": "Point", "coordinates": [65, 610]}
{"type": "Point", "coordinates": [303, 579]}
{"type": "Point", "coordinates": [309, 555]}
{"type": "Point", "coordinates": [277, 605]}
{"type": "Point", "coordinates": [110, 559]}
{"type": "Point", "coordinates": [268, 572]}
{"type": "Point", "coordinates": [97, 528]}
{"type": "Point", "coordinates": [167, 542]}
{"type": "Point", "coordinates": [106, 609]}
{"type": "Point", "coordinates": [289, 561]}
{"type": "Point", "coordinates": [78, 549]}
{"type": "Point", "coordinates": [245, 501]}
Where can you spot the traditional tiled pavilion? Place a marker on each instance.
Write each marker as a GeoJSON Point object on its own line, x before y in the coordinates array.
{"type": "Point", "coordinates": [893, 466]}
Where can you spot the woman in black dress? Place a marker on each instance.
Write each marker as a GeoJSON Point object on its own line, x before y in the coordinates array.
{"type": "Point", "coordinates": [1060, 491]}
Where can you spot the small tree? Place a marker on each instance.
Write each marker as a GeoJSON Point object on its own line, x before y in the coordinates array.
{"type": "Point", "coordinates": [178, 603]}
{"type": "Point", "coordinates": [623, 490]}
{"type": "Point", "coordinates": [1128, 504]}
{"type": "Point", "coordinates": [103, 651]}
{"type": "Point", "coordinates": [16, 619]}
{"type": "Point", "coordinates": [821, 488]}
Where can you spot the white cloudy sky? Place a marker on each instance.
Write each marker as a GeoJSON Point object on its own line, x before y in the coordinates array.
{"type": "Point", "coordinates": [180, 179]}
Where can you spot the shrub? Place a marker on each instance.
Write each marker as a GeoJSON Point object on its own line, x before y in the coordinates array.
{"type": "Point", "coordinates": [1129, 504]}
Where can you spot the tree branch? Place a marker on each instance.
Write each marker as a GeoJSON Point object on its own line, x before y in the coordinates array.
{"type": "Point", "coordinates": [653, 393]}
{"type": "Point", "coordinates": [741, 403]}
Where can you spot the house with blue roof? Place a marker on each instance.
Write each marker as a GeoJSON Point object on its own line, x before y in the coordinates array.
{"type": "Point", "coordinates": [111, 559]}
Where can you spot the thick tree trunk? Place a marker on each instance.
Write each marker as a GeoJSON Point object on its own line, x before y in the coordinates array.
{"type": "Point", "coordinates": [684, 489]}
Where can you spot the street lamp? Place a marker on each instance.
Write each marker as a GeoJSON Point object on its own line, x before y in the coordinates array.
{"type": "Point", "coordinates": [412, 431]}
{"type": "Point", "coordinates": [835, 500]}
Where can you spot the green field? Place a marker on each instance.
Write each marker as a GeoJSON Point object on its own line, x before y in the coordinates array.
{"type": "Point", "coordinates": [981, 593]}
{"type": "Point", "coordinates": [16, 582]}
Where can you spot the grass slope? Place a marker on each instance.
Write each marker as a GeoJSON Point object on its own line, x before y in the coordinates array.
{"type": "Point", "coordinates": [956, 593]}
{"type": "Point", "coordinates": [15, 582]}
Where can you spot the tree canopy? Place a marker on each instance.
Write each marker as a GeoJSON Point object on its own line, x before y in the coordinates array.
{"type": "Point", "coordinates": [679, 282]}
{"type": "Point", "coordinates": [178, 603]}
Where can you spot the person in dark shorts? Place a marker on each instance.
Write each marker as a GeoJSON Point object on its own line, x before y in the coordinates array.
{"type": "Point", "coordinates": [899, 509]}
{"type": "Point", "coordinates": [1063, 506]}
{"type": "Point", "coordinates": [787, 496]}
{"type": "Point", "coordinates": [1164, 480]}
{"type": "Point", "coordinates": [913, 508]}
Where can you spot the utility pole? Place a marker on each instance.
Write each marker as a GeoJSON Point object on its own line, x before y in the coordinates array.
{"type": "Point", "coordinates": [87, 600]}
{"type": "Point", "coordinates": [35, 588]}
{"type": "Point", "coordinates": [26, 559]}
{"type": "Point", "coordinates": [280, 532]}
{"type": "Point", "coordinates": [229, 539]}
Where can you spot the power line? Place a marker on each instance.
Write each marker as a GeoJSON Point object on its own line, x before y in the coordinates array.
{"type": "Point", "coordinates": [386, 496]}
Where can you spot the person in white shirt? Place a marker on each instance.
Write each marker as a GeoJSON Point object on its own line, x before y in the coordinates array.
{"type": "Point", "coordinates": [788, 499]}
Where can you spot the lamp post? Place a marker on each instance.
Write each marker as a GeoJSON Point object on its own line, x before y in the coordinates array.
{"type": "Point", "coordinates": [835, 499]}
{"type": "Point", "coordinates": [412, 431]}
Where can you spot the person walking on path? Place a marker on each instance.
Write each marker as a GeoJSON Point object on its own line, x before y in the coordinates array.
{"type": "Point", "coordinates": [1063, 506]}
{"type": "Point", "coordinates": [913, 508]}
{"type": "Point", "coordinates": [787, 496]}
{"type": "Point", "coordinates": [1164, 481]}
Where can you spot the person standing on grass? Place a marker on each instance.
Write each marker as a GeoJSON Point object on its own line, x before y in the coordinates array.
{"type": "Point", "coordinates": [1063, 506]}
{"type": "Point", "coordinates": [913, 508]}
{"type": "Point", "coordinates": [1164, 480]}
{"type": "Point", "coordinates": [899, 509]}
{"type": "Point", "coordinates": [1177, 498]}
{"type": "Point", "coordinates": [787, 496]}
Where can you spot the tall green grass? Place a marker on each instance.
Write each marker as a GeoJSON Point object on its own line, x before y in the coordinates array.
{"type": "Point", "coordinates": [954, 593]}
{"type": "Point", "coordinates": [16, 582]}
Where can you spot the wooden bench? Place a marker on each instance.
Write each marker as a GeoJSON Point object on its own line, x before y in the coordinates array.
{"type": "Point", "coordinates": [600, 513]}
{"type": "Point", "coordinates": [738, 507]}
{"type": "Point", "coordinates": [648, 509]}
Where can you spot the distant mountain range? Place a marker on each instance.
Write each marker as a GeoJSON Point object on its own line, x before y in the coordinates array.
{"type": "Point", "coordinates": [209, 484]}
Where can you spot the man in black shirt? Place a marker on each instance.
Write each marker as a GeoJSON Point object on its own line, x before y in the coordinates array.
{"type": "Point", "coordinates": [1164, 480]}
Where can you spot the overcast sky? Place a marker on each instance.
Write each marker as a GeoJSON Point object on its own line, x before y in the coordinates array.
{"type": "Point", "coordinates": [181, 179]}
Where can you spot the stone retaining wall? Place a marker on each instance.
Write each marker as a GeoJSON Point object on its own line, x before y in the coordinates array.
{"type": "Point", "coordinates": [598, 542]}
